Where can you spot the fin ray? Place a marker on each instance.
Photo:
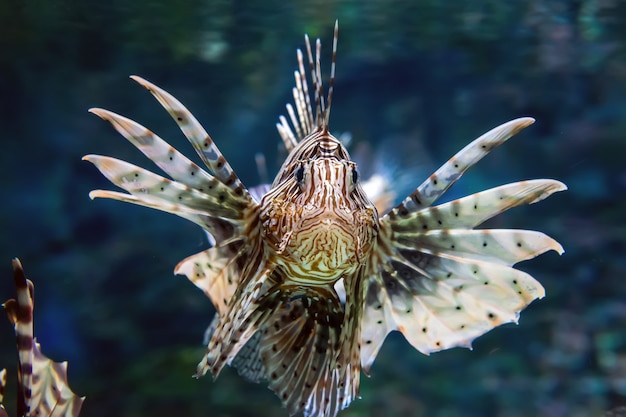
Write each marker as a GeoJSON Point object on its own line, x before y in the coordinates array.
{"type": "Point", "coordinates": [471, 211]}
{"type": "Point", "coordinates": [503, 246]}
{"type": "Point", "coordinates": [437, 184]}
{"type": "Point", "coordinates": [140, 182]}
{"type": "Point", "coordinates": [166, 157]}
{"type": "Point", "coordinates": [222, 230]}
{"type": "Point", "coordinates": [441, 302]}
{"type": "Point", "coordinates": [197, 136]}
{"type": "Point", "coordinates": [216, 272]}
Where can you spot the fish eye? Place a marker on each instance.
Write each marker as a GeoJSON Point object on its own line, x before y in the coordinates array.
{"type": "Point", "coordinates": [299, 174]}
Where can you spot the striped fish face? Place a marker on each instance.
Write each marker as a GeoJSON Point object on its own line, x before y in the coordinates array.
{"type": "Point", "coordinates": [318, 224]}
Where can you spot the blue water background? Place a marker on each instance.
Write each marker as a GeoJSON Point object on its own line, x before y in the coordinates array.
{"type": "Point", "coordinates": [416, 81]}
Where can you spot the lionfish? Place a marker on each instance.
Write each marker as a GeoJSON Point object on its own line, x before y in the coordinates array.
{"type": "Point", "coordinates": [308, 278]}
{"type": "Point", "coordinates": [43, 390]}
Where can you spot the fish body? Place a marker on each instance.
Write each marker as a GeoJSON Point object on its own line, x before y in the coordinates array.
{"type": "Point", "coordinates": [309, 279]}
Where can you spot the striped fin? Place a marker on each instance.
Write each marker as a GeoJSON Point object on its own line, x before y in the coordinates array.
{"type": "Point", "coordinates": [140, 182]}
{"type": "Point", "coordinates": [350, 355]}
{"type": "Point", "coordinates": [500, 246]}
{"type": "Point", "coordinates": [442, 302]}
{"type": "Point", "coordinates": [223, 230]}
{"type": "Point", "coordinates": [20, 313]}
{"type": "Point", "coordinates": [443, 288]}
{"type": "Point", "coordinates": [216, 272]}
{"type": "Point", "coordinates": [222, 219]}
{"type": "Point", "coordinates": [251, 304]}
{"type": "Point", "coordinates": [51, 394]}
{"type": "Point", "coordinates": [199, 138]}
{"type": "Point", "coordinates": [43, 389]}
{"type": "Point", "coordinates": [311, 349]}
{"type": "Point", "coordinates": [299, 347]}
{"type": "Point", "coordinates": [308, 352]}
{"type": "Point", "coordinates": [437, 184]}
{"type": "Point", "coordinates": [247, 362]}
{"type": "Point", "coordinates": [471, 211]}
{"type": "Point", "coordinates": [438, 281]}
{"type": "Point", "coordinates": [216, 203]}
{"type": "Point", "coordinates": [3, 384]}
{"type": "Point", "coordinates": [166, 157]}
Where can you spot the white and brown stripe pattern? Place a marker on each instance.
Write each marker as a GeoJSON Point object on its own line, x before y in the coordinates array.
{"type": "Point", "coordinates": [3, 384]}
{"type": "Point", "coordinates": [331, 225]}
{"type": "Point", "coordinates": [42, 383]}
{"type": "Point", "coordinates": [307, 120]}
{"type": "Point", "coordinates": [20, 313]}
{"type": "Point", "coordinates": [197, 136]}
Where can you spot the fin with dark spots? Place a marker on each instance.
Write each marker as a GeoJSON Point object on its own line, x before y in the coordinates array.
{"type": "Point", "coordinates": [439, 182]}
{"type": "Point", "coordinates": [302, 339]}
{"type": "Point", "coordinates": [247, 362]}
{"type": "Point", "coordinates": [470, 211]}
{"type": "Point", "coordinates": [440, 282]}
{"type": "Point", "coordinates": [439, 302]}
{"type": "Point", "coordinates": [197, 136]}
{"type": "Point", "coordinates": [215, 200]}
{"type": "Point", "coordinates": [251, 304]}
{"type": "Point", "coordinates": [216, 214]}
{"type": "Point", "coordinates": [141, 182]}
{"type": "Point", "coordinates": [166, 157]}
{"type": "Point", "coordinates": [216, 272]}
{"type": "Point", "coordinates": [43, 390]}
{"type": "Point", "coordinates": [299, 347]}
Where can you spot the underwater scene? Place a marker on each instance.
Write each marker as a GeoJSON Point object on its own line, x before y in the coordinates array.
{"type": "Point", "coordinates": [311, 267]}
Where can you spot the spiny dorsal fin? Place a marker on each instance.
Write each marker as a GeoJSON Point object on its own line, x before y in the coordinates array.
{"type": "Point", "coordinates": [331, 81]}
{"type": "Point", "coordinates": [303, 121]}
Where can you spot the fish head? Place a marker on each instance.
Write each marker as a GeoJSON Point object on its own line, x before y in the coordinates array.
{"type": "Point", "coordinates": [316, 220]}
